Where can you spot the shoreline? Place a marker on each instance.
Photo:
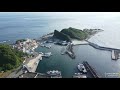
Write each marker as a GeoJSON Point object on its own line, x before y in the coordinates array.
{"type": "Point", "coordinates": [32, 64]}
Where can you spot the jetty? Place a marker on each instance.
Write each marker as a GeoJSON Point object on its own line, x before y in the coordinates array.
{"type": "Point", "coordinates": [101, 47]}
{"type": "Point", "coordinates": [69, 50]}
{"type": "Point", "coordinates": [115, 53]}
{"type": "Point", "coordinates": [91, 70]}
{"type": "Point", "coordinates": [32, 63]}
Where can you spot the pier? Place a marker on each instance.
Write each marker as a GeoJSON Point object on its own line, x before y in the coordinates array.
{"type": "Point", "coordinates": [115, 53]}
{"type": "Point", "coordinates": [69, 51]}
{"type": "Point", "coordinates": [91, 70]}
{"type": "Point", "coordinates": [32, 63]}
{"type": "Point", "coordinates": [101, 47]}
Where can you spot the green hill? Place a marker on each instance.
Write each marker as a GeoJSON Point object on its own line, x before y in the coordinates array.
{"type": "Point", "coordinates": [9, 58]}
{"type": "Point", "coordinates": [70, 33]}
{"type": "Point", "coordinates": [75, 33]}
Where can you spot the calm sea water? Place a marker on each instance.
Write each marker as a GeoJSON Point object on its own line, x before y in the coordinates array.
{"type": "Point", "coordinates": [98, 59]}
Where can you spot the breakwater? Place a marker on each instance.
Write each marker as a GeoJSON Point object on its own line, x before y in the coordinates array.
{"type": "Point", "coordinates": [114, 51]}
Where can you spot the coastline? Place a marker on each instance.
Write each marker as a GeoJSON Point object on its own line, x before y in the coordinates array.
{"type": "Point", "coordinates": [32, 64]}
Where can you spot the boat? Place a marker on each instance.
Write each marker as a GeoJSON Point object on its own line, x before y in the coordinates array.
{"type": "Point", "coordinates": [54, 72]}
{"type": "Point", "coordinates": [47, 54]}
{"type": "Point", "coordinates": [42, 45]}
{"type": "Point", "coordinates": [63, 53]}
{"type": "Point", "coordinates": [49, 41]}
{"type": "Point", "coordinates": [41, 53]}
{"type": "Point", "coordinates": [79, 75]}
{"type": "Point", "coordinates": [81, 68]}
{"type": "Point", "coordinates": [49, 46]}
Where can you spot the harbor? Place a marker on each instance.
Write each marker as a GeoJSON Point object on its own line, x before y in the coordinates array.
{"type": "Point", "coordinates": [41, 75]}
{"type": "Point", "coordinates": [86, 71]}
{"type": "Point", "coordinates": [31, 65]}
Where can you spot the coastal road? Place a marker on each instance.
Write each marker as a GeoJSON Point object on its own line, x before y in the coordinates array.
{"type": "Point", "coordinates": [30, 62]}
{"type": "Point", "coordinates": [16, 73]}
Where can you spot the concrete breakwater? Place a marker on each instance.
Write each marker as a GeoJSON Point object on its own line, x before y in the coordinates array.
{"type": "Point", "coordinates": [101, 47]}
{"type": "Point", "coordinates": [32, 64]}
{"type": "Point", "coordinates": [114, 52]}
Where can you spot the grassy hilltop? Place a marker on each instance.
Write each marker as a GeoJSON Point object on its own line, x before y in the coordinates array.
{"type": "Point", "coordinates": [72, 33]}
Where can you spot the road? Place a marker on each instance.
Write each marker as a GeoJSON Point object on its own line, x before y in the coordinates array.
{"type": "Point", "coordinates": [30, 62]}
{"type": "Point", "coordinates": [16, 73]}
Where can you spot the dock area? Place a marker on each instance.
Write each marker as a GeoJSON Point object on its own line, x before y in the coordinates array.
{"type": "Point", "coordinates": [91, 70]}
{"type": "Point", "coordinates": [114, 55]}
{"type": "Point", "coordinates": [32, 64]}
{"type": "Point", "coordinates": [69, 51]}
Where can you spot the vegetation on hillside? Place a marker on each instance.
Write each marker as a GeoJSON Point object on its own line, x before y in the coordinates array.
{"type": "Point", "coordinates": [73, 33]}
{"type": "Point", "coordinates": [61, 36]}
{"type": "Point", "coordinates": [9, 58]}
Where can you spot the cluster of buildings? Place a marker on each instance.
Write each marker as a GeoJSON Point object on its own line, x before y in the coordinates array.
{"type": "Point", "coordinates": [26, 46]}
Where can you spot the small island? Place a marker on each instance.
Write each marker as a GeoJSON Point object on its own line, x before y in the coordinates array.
{"type": "Point", "coordinates": [72, 33]}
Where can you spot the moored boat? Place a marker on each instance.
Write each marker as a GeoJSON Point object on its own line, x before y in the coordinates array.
{"type": "Point", "coordinates": [54, 72]}
{"type": "Point", "coordinates": [81, 68]}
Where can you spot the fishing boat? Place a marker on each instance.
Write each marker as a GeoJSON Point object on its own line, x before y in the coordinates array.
{"type": "Point", "coordinates": [81, 68]}
{"type": "Point", "coordinates": [79, 75]}
{"type": "Point", "coordinates": [47, 54]}
{"type": "Point", "coordinates": [54, 72]}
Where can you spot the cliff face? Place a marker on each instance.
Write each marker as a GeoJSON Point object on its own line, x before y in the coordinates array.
{"type": "Point", "coordinates": [73, 33]}
{"type": "Point", "coordinates": [61, 36]}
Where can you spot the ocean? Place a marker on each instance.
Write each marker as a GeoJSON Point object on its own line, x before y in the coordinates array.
{"type": "Point", "coordinates": [17, 25]}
